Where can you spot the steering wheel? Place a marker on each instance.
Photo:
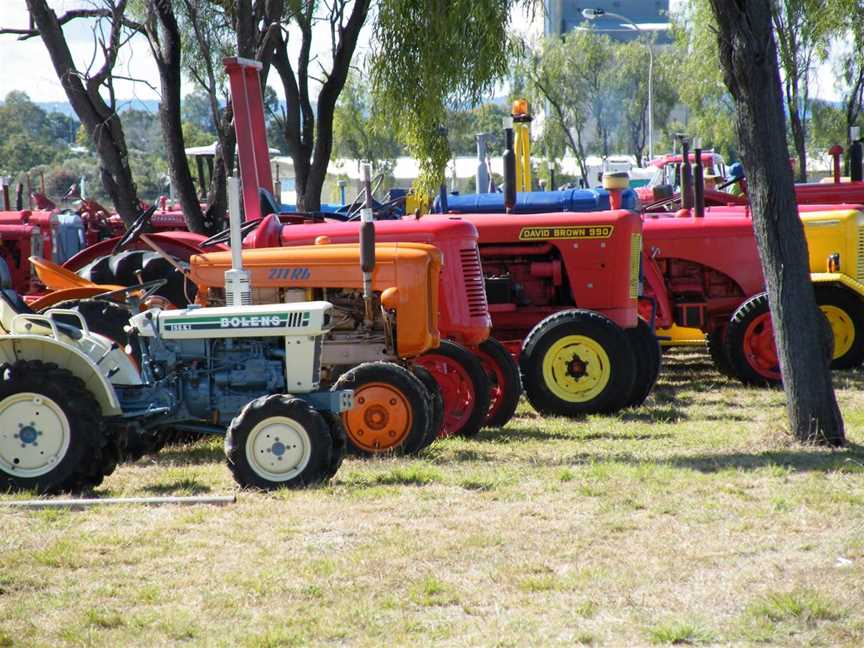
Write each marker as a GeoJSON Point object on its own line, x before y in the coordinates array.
{"type": "Point", "coordinates": [148, 288]}
{"type": "Point", "coordinates": [135, 229]}
{"type": "Point", "coordinates": [225, 235]}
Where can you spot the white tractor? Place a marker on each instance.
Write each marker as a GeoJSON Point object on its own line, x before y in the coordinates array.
{"type": "Point", "coordinates": [69, 397]}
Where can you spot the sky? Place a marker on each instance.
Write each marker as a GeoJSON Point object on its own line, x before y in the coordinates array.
{"type": "Point", "coordinates": [25, 65]}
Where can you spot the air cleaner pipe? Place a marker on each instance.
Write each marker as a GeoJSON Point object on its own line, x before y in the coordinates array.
{"type": "Point", "coordinates": [367, 242]}
{"type": "Point", "coordinates": [699, 183]}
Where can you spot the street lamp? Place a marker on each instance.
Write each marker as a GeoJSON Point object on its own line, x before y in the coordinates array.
{"type": "Point", "coordinates": [594, 14]}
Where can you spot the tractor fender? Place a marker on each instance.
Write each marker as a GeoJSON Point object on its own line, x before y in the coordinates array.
{"type": "Point", "coordinates": [840, 279]}
{"type": "Point", "coordinates": [81, 292]}
{"type": "Point", "coordinates": [181, 245]}
{"type": "Point", "coordinates": [39, 347]}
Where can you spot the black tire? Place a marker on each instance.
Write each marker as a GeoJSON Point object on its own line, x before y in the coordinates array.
{"type": "Point", "coordinates": [436, 403]}
{"type": "Point", "coordinates": [340, 442]}
{"type": "Point", "coordinates": [607, 392]}
{"type": "Point", "coordinates": [745, 365]}
{"type": "Point", "coordinates": [714, 343]}
{"type": "Point", "coordinates": [464, 422]}
{"type": "Point", "coordinates": [504, 397]}
{"type": "Point", "coordinates": [308, 442]}
{"type": "Point", "coordinates": [122, 270]}
{"type": "Point", "coordinates": [411, 403]}
{"type": "Point", "coordinates": [853, 309]}
{"type": "Point", "coordinates": [91, 451]}
{"type": "Point", "coordinates": [646, 351]}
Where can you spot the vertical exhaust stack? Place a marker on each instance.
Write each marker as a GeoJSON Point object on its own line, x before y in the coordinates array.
{"type": "Point", "coordinates": [686, 174]}
{"type": "Point", "coordinates": [509, 166]}
{"type": "Point", "coordinates": [856, 155]}
{"type": "Point", "coordinates": [238, 291]}
{"type": "Point", "coordinates": [367, 243]}
{"type": "Point", "coordinates": [699, 183]}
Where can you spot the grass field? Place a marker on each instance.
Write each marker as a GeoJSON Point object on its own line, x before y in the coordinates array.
{"type": "Point", "coordinates": [693, 519]}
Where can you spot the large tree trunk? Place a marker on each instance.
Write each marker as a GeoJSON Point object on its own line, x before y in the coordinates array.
{"type": "Point", "coordinates": [749, 57]}
{"type": "Point", "coordinates": [101, 120]}
{"type": "Point", "coordinates": [164, 34]}
{"type": "Point", "coordinates": [799, 137]}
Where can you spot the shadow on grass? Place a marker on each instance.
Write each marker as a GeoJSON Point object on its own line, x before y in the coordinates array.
{"type": "Point", "coordinates": [191, 486]}
{"type": "Point", "coordinates": [798, 460]}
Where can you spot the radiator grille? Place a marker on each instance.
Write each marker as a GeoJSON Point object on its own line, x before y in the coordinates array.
{"type": "Point", "coordinates": [475, 290]}
{"type": "Point", "coordinates": [860, 265]}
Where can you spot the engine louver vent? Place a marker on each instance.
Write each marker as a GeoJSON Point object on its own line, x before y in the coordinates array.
{"type": "Point", "coordinates": [860, 260]}
{"type": "Point", "coordinates": [475, 289]}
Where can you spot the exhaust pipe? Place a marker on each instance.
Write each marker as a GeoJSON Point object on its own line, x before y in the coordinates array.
{"type": "Point", "coordinates": [509, 166]}
{"type": "Point", "coordinates": [367, 244]}
{"type": "Point", "coordinates": [238, 291]}
{"type": "Point", "coordinates": [699, 183]}
{"type": "Point", "coordinates": [686, 174]}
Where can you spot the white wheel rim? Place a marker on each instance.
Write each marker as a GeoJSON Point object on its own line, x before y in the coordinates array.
{"type": "Point", "coordinates": [34, 435]}
{"type": "Point", "coordinates": [278, 449]}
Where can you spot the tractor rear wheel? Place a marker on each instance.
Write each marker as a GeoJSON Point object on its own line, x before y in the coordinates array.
{"type": "Point", "coordinates": [122, 270]}
{"type": "Point", "coordinates": [503, 374]}
{"type": "Point", "coordinates": [391, 410]}
{"type": "Point", "coordinates": [749, 343]}
{"type": "Point", "coordinates": [52, 434]}
{"type": "Point", "coordinates": [577, 362]}
{"type": "Point", "coordinates": [646, 350]}
{"type": "Point", "coordinates": [279, 441]}
{"type": "Point", "coordinates": [464, 385]}
{"type": "Point", "coordinates": [845, 314]}
{"type": "Point", "coordinates": [436, 403]}
{"type": "Point", "coordinates": [717, 351]}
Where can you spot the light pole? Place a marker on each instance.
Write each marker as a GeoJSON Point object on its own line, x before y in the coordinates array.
{"type": "Point", "coordinates": [593, 14]}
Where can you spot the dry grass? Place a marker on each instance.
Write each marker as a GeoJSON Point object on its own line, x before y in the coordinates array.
{"type": "Point", "coordinates": [692, 520]}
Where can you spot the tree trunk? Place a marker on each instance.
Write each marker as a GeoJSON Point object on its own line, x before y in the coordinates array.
{"type": "Point", "coordinates": [164, 34]}
{"type": "Point", "coordinates": [799, 137]}
{"type": "Point", "coordinates": [749, 57]}
{"type": "Point", "coordinates": [101, 121]}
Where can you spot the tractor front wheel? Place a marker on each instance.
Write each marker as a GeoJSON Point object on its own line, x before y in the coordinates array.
{"type": "Point", "coordinates": [577, 362]}
{"type": "Point", "coordinates": [463, 384]}
{"type": "Point", "coordinates": [716, 349]}
{"type": "Point", "coordinates": [52, 434]}
{"type": "Point", "coordinates": [391, 410]}
{"type": "Point", "coordinates": [436, 403]}
{"type": "Point", "coordinates": [646, 350]}
{"type": "Point", "coordinates": [845, 314]}
{"type": "Point", "coordinates": [279, 441]}
{"type": "Point", "coordinates": [749, 343]}
{"type": "Point", "coordinates": [506, 385]}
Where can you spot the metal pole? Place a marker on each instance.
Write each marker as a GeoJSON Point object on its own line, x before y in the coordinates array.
{"type": "Point", "coordinates": [89, 502]}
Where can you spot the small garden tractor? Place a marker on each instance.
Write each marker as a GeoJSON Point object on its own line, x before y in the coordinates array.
{"type": "Point", "coordinates": [69, 396]}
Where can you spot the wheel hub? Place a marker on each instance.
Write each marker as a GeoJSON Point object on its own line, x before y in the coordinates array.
{"type": "Point", "coordinates": [278, 448]}
{"type": "Point", "coordinates": [34, 434]}
{"type": "Point", "coordinates": [381, 419]}
{"type": "Point", "coordinates": [576, 368]}
{"type": "Point", "coordinates": [376, 416]}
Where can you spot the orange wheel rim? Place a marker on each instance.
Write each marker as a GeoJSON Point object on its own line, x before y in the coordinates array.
{"type": "Point", "coordinates": [381, 418]}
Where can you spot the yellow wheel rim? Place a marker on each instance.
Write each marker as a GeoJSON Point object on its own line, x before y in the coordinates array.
{"type": "Point", "coordinates": [576, 369]}
{"type": "Point", "coordinates": [842, 327]}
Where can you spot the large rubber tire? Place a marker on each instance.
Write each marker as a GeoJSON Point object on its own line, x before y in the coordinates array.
{"type": "Point", "coordinates": [577, 362]}
{"type": "Point", "coordinates": [464, 385]}
{"type": "Point", "coordinates": [122, 270]}
{"type": "Point", "coordinates": [279, 441]}
{"type": "Point", "coordinates": [71, 430]}
{"type": "Point", "coordinates": [717, 351]}
{"type": "Point", "coordinates": [845, 314]}
{"type": "Point", "coordinates": [391, 410]}
{"type": "Point", "coordinates": [436, 403]}
{"type": "Point", "coordinates": [340, 442]}
{"type": "Point", "coordinates": [505, 382]}
{"type": "Point", "coordinates": [646, 351]}
{"type": "Point", "coordinates": [749, 344]}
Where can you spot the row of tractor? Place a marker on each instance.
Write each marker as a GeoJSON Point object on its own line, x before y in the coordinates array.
{"type": "Point", "coordinates": [298, 336]}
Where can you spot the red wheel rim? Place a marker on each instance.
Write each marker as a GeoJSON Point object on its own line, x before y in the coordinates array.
{"type": "Point", "coordinates": [457, 390]}
{"type": "Point", "coordinates": [497, 381]}
{"type": "Point", "coordinates": [759, 348]}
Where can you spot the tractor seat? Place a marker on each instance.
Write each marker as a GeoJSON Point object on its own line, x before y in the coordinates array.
{"type": "Point", "coordinates": [19, 307]}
